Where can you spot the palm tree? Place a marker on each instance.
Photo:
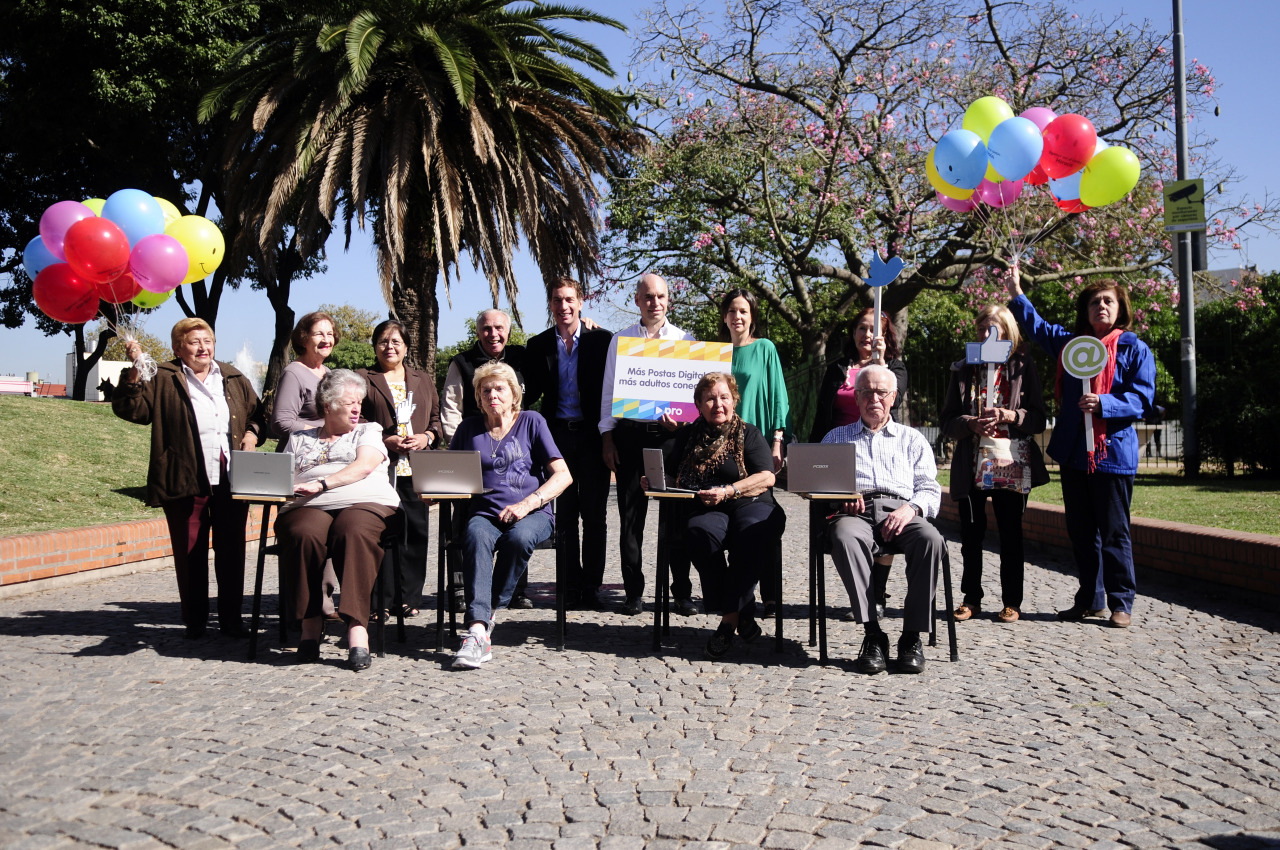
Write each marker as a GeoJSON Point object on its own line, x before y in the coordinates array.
{"type": "Point", "coordinates": [452, 125]}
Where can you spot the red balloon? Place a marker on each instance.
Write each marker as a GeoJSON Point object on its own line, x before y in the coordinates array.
{"type": "Point", "coordinates": [1037, 177]}
{"type": "Point", "coordinates": [1072, 206]}
{"type": "Point", "coordinates": [97, 249]}
{"type": "Point", "coordinates": [120, 290]}
{"type": "Point", "coordinates": [1069, 143]}
{"type": "Point", "coordinates": [64, 296]}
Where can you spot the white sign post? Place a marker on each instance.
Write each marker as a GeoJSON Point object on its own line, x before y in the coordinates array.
{"type": "Point", "coordinates": [992, 351]}
{"type": "Point", "coordinates": [1085, 357]}
{"type": "Point", "coordinates": [881, 275]}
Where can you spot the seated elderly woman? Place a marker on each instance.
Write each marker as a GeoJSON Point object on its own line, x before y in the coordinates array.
{"type": "Point", "coordinates": [729, 463]}
{"type": "Point", "coordinates": [345, 498]}
{"type": "Point", "coordinates": [523, 472]}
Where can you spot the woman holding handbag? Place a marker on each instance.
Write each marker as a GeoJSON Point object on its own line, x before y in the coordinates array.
{"type": "Point", "coordinates": [994, 410]}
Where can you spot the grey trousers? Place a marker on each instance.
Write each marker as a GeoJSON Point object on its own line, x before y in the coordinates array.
{"type": "Point", "coordinates": [853, 546]}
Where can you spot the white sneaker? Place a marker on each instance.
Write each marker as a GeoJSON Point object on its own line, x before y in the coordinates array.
{"type": "Point", "coordinates": [475, 650]}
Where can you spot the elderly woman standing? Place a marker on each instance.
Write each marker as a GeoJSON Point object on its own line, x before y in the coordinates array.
{"type": "Point", "coordinates": [1014, 413]}
{"type": "Point", "coordinates": [523, 472]}
{"type": "Point", "coordinates": [346, 498]}
{"type": "Point", "coordinates": [404, 402]}
{"type": "Point", "coordinates": [198, 410]}
{"type": "Point", "coordinates": [729, 463]}
{"type": "Point", "coordinates": [1097, 480]}
{"type": "Point", "coordinates": [294, 407]}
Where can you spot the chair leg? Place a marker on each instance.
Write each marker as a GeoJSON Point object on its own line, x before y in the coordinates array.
{"type": "Point", "coordinates": [442, 597]}
{"type": "Point", "coordinates": [951, 608]}
{"type": "Point", "coordinates": [777, 603]}
{"type": "Point", "coordinates": [257, 582]}
{"type": "Point", "coordinates": [379, 594]}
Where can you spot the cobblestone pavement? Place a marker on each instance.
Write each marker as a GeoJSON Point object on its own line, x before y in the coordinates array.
{"type": "Point", "coordinates": [117, 732]}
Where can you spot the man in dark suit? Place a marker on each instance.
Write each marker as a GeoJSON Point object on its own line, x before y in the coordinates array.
{"type": "Point", "coordinates": [564, 366]}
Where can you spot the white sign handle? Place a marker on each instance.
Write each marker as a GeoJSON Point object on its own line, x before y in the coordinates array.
{"type": "Point", "coordinates": [991, 384]}
{"type": "Point", "coordinates": [1088, 420]}
{"type": "Point", "coordinates": [878, 331]}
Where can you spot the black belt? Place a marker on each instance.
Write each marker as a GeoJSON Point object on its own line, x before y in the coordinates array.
{"type": "Point", "coordinates": [569, 424]}
{"type": "Point", "coordinates": [646, 427]}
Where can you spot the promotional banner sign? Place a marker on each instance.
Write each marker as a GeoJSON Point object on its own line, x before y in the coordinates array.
{"type": "Point", "coordinates": [653, 377]}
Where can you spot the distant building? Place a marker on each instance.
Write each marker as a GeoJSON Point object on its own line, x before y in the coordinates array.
{"type": "Point", "coordinates": [1223, 283]}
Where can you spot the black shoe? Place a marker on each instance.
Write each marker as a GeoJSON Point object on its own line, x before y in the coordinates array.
{"type": "Point", "coordinates": [521, 601]}
{"type": "Point", "coordinates": [234, 630]}
{"type": "Point", "coordinates": [194, 632]}
{"type": "Point", "coordinates": [589, 600]}
{"type": "Point", "coordinates": [721, 641]}
{"type": "Point", "coordinates": [459, 605]}
{"type": "Point", "coordinates": [633, 606]}
{"type": "Point", "coordinates": [874, 656]}
{"type": "Point", "coordinates": [686, 608]}
{"type": "Point", "coordinates": [359, 659]}
{"type": "Point", "coordinates": [911, 656]}
{"type": "Point", "coordinates": [308, 651]}
{"type": "Point", "coordinates": [1076, 613]}
{"type": "Point", "coordinates": [748, 628]}
{"type": "Point", "coordinates": [769, 609]}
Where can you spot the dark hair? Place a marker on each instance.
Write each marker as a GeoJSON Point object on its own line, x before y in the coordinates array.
{"type": "Point", "coordinates": [562, 282]}
{"type": "Point", "coordinates": [298, 339]}
{"type": "Point", "coordinates": [891, 350]}
{"type": "Point", "coordinates": [745, 295]}
{"type": "Point", "coordinates": [389, 325]}
{"type": "Point", "coordinates": [1123, 319]}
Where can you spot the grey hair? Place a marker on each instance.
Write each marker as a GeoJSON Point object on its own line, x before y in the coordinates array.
{"type": "Point", "coordinates": [334, 385]}
{"type": "Point", "coordinates": [868, 372]}
{"type": "Point", "coordinates": [480, 316]}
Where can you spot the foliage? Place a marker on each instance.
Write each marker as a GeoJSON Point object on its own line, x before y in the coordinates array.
{"type": "Point", "coordinates": [1236, 408]}
{"type": "Point", "coordinates": [158, 348]}
{"type": "Point", "coordinates": [794, 133]}
{"type": "Point", "coordinates": [351, 354]}
{"type": "Point", "coordinates": [456, 125]}
{"type": "Point", "coordinates": [352, 323]}
{"type": "Point", "coordinates": [518, 336]}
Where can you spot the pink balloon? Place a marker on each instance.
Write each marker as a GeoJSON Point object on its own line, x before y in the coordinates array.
{"type": "Point", "coordinates": [57, 220]}
{"type": "Point", "coordinates": [1041, 116]}
{"type": "Point", "coordinates": [957, 205]}
{"type": "Point", "coordinates": [998, 194]}
{"type": "Point", "coordinates": [159, 263]}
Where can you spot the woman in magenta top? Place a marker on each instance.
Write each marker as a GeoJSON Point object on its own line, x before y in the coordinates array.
{"type": "Point", "coordinates": [836, 402]}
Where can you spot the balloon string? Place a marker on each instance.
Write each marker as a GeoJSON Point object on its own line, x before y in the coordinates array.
{"type": "Point", "coordinates": [144, 363]}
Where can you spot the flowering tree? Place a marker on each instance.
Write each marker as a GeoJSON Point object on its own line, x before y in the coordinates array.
{"type": "Point", "coordinates": [791, 141]}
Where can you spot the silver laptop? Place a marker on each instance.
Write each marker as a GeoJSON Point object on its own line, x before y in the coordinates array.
{"type": "Point", "coordinates": [453, 472]}
{"type": "Point", "coordinates": [262, 474]}
{"type": "Point", "coordinates": [822, 468]}
{"type": "Point", "coordinates": [657, 474]}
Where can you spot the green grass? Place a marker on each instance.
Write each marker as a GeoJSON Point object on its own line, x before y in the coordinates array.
{"type": "Point", "coordinates": [65, 464]}
{"type": "Point", "coordinates": [1236, 504]}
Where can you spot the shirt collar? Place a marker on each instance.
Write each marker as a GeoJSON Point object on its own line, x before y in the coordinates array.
{"type": "Point", "coordinates": [891, 428]}
{"type": "Point", "coordinates": [191, 375]}
{"type": "Point", "coordinates": [577, 334]}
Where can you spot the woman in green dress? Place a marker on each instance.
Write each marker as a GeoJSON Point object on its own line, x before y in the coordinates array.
{"type": "Point", "coordinates": [763, 393]}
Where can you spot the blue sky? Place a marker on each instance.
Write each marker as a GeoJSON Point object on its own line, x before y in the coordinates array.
{"type": "Point", "coordinates": [1232, 37]}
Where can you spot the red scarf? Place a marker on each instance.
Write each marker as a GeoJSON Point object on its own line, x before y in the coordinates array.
{"type": "Point", "coordinates": [1101, 386]}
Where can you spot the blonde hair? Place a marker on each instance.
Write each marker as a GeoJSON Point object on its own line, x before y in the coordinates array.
{"type": "Point", "coordinates": [1000, 315]}
{"type": "Point", "coordinates": [502, 372]}
{"type": "Point", "coordinates": [186, 326]}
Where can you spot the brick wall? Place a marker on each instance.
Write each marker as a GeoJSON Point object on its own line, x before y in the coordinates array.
{"type": "Point", "coordinates": [51, 554]}
{"type": "Point", "coordinates": [1237, 559]}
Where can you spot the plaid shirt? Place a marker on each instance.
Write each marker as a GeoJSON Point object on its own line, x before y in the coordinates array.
{"type": "Point", "coordinates": [896, 459]}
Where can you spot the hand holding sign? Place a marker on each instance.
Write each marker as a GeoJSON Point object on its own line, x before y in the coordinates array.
{"type": "Point", "coordinates": [882, 274]}
{"type": "Point", "coordinates": [1085, 357]}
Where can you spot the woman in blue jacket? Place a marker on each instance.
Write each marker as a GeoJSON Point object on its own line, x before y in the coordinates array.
{"type": "Point", "coordinates": [1097, 480]}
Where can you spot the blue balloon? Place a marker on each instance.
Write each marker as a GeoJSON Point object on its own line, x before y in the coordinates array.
{"type": "Point", "coordinates": [1066, 188]}
{"type": "Point", "coordinates": [961, 159]}
{"type": "Point", "coordinates": [1015, 147]}
{"type": "Point", "coordinates": [36, 257]}
{"type": "Point", "coordinates": [137, 213]}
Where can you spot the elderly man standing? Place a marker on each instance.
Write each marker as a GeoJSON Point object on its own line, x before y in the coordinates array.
{"type": "Point", "coordinates": [897, 480]}
{"type": "Point", "coordinates": [458, 400]}
{"type": "Point", "coordinates": [623, 444]}
{"type": "Point", "coordinates": [565, 367]}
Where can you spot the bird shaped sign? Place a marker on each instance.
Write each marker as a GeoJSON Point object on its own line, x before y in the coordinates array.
{"type": "Point", "coordinates": [881, 275]}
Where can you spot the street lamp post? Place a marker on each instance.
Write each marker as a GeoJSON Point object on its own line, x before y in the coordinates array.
{"type": "Point", "coordinates": [1186, 286]}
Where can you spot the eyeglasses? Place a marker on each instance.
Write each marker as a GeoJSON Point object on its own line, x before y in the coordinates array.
{"type": "Point", "coordinates": [875, 392]}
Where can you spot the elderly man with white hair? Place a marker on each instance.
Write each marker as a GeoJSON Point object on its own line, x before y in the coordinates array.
{"type": "Point", "coordinates": [898, 487]}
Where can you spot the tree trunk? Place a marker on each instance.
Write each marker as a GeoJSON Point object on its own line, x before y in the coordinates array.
{"type": "Point", "coordinates": [414, 304]}
{"type": "Point", "coordinates": [278, 289]}
{"type": "Point", "coordinates": [84, 364]}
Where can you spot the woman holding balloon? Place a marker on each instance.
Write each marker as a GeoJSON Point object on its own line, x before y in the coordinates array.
{"type": "Point", "coordinates": [1098, 473]}
{"type": "Point", "coordinates": [199, 410]}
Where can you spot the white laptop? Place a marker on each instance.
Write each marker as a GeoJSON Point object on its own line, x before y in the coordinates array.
{"type": "Point", "coordinates": [262, 474]}
{"type": "Point", "coordinates": [828, 468]}
{"type": "Point", "coordinates": [656, 473]}
{"type": "Point", "coordinates": [448, 472]}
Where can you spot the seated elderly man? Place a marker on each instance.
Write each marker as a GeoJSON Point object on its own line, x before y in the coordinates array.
{"type": "Point", "coordinates": [898, 487]}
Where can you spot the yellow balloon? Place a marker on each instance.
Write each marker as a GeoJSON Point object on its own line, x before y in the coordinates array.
{"type": "Point", "coordinates": [1109, 176]}
{"type": "Point", "coordinates": [171, 213]}
{"type": "Point", "coordinates": [148, 300]}
{"type": "Point", "coordinates": [984, 114]}
{"type": "Point", "coordinates": [992, 175]}
{"type": "Point", "coordinates": [94, 204]}
{"type": "Point", "coordinates": [943, 187]}
{"type": "Point", "coordinates": [203, 242]}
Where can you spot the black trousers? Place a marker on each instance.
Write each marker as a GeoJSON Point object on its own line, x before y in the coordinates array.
{"type": "Point", "coordinates": [193, 522]}
{"type": "Point", "coordinates": [586, 499]}
{"type": "Point", "coordinates": [746, 532]}
{"type": "Point", "coordinates": [413, 548]}
{"type": "Point", "coordinates": [1008, 507]}
{"type": "Point", "coordinates": [1097, 512]}
{"type": "Point", "coordinates": [630, 439]}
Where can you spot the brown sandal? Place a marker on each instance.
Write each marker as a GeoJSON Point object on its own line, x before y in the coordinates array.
{"type": "Point", "coordinates": [966, 610]}
{"type": "Point", "coordinates": [1008, 615]}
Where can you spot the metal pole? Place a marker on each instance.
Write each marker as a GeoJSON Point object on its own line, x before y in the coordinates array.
{"type": "Point", "coordinates": [1186, 286]}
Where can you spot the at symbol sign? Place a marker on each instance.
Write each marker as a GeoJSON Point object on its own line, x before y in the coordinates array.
{"type": "Point", "coordinates": [1084, 357]}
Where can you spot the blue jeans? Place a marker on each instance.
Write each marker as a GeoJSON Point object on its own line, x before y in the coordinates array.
{"type": "Point", "coordinates": [490, 585]}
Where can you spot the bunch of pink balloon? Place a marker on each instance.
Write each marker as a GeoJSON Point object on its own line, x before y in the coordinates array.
{"type": "Point", "coordinates": [129, 247]}
{"type": "Point", "coordinates": [995, 154]}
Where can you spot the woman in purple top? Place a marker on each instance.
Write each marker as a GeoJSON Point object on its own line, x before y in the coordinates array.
{"type": "Point", "coordinates": [523, 472]}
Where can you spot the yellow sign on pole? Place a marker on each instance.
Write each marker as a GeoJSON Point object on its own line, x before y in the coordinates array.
{"type": "Point", "coordinates": [1184, 206]}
